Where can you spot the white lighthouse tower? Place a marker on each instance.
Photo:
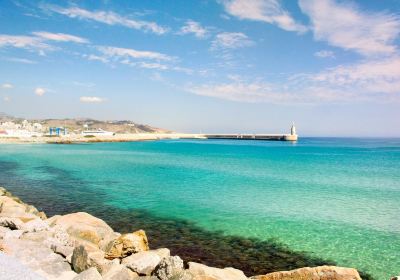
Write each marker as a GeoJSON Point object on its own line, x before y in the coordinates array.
{"type": "Point", "coordinates": [292, 136]}
{"type": "Point", "coordinates": [293, 130]}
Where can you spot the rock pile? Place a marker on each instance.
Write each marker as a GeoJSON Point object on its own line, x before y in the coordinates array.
{"type": "Point", "coordinates": [79, 246]}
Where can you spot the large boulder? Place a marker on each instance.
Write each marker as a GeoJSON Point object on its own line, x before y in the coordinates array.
{"type": "Point", "coordinates": [39, 258]}
{"type": "Point", "coordinates": [313, 273]}
{"type": "Point", "coordinates": [89, 274]}
{"type": "Point", "coordinates": [85, 228]}
{"type": "Point", "coordinates": [35, 225]}
{"type": "Point", "coordinates": [13, 208]}
{"type": "Point", "coordinates": [203, 272]}
{"type": "Point", "coordinates": [169, 267]}
{"type": "Point", "coordinates": [127, 244]}
{"type": "Point", "coordinates": [144, 263]}
{"type": "Point", "coordinates": [119, 272]}
{"type": "Point", "coordinates": [11, 223]}
{"type": "Point", "coordinates": [84, 257]}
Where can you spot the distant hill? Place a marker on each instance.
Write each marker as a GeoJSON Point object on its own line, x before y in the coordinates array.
{"type": "Point", "coordinates": [78, 125]}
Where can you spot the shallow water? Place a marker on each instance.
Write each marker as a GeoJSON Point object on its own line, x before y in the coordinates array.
{"type": "Point", "coordinates": [318, 200]}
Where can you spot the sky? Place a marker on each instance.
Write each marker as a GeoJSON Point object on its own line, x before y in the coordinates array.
{"type": "Point", "coordinates": [211, 66]}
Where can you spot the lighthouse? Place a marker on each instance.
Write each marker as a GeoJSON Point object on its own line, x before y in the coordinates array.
{"type": "Point", "coordinates": [293, 129]}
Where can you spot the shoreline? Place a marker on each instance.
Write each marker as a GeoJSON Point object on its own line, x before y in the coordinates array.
{"type": "Point", "coordinates": [81, 243]}
{"type": "Point", "coordinates": [76, 139]}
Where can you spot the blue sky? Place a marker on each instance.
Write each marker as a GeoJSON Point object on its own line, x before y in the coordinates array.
{"type": "Point", "coordinates": [254, 66]}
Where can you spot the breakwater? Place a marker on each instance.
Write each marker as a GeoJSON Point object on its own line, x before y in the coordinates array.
{"type": "Point", "coordinates": [80, 246]}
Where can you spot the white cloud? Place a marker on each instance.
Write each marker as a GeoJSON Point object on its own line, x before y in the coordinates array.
{"type": "Point", "coordinates": [369, 81]}
{"type": "Point", "coordinates": [96, 57]}
{"type": "Point", "coordinates": [193, 27]}
{"type": "Point", "coordinates": [325, 54]}
{"type": "Point", "coordinates": [61, 37]}
{"type": "Point", "coordinates": [346, 26]}
{"type": "Point", "coordinates": [269, 11]}
{"type": "Point", "coordinates": [109, 18]}
{"type": "Point", "coordinates": [24, 42]}
{"type": "Point", "coordinates": [20, 60]}
{"type": "Point", "coordinates": [153, 66]}
{"type": "Point", "coordinates": [372, 76]}
{"type": "Point", "coordinates": [7, 86]}
{"type": "Point", "coordinates": [40, 91]}
{"type": "Point", "coordinates": [231, 40]}
{"type": "Point", "coordinates": [91, 99]}
{"type": "Point", "coordinates": [131, 53]}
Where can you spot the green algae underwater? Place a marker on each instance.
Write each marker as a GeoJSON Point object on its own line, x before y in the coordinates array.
{"type": "Point", "coordinates": [257, 206]}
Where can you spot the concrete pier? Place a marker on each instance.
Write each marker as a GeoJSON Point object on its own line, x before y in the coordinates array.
{"type": "Point", "coordinates": [270, 137]}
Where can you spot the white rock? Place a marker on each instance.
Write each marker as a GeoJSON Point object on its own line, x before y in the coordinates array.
{"type": "Point", "coordinates": [39, 258]}
{"type": "Point", "coordinates": [169, 267]}
{"type": "Point", "coordinates": [11, 223]}
{"type": "Point", "coordinates": [35, 225]}
{"type": "Point", "coordinates": [89, 274]}
{"type": "Point", "coordinates": [201, 271]}
{"type": "Point", "coordinates": [119, 272]}
{"type": "Point", "coordinates": [3, 231]}
{"type": "Point", "coordinates": [142, 263]}
{"type": "Point", "coordinates": [85, 228]}
{"type": "Point", "coordinates": [13, 234]}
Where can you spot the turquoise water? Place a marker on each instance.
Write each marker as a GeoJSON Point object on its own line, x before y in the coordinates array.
{"type": "Point", "coordinates": [336, 199]}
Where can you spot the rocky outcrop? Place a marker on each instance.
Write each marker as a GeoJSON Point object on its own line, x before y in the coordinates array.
{"type": "Point", "coordinates": [85, 229]}
{"type": "Point", "coordinates": [313, 273]}
{"type": "Point", "coordinates": [79, 246]}
{"type": "Point", "coordinates": [127, 244]}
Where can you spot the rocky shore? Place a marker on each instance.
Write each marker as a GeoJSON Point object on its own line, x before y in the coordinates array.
{"type": "Point", "coordinates": [80, 246]}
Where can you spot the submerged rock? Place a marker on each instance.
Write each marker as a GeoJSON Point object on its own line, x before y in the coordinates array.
{"type": "Point", "coordinates": [203, 272]}
{"type": "Point", "coordinates": [127, 244]}
{"type": "Point", "coordinates": [313, 273]}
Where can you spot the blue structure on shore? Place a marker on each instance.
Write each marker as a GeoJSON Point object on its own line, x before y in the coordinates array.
{"type": "Point", "coordinates": [58, 130]}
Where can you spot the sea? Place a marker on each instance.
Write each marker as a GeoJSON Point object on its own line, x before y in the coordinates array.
{"type": "Point", "coordinates": [259, 206]}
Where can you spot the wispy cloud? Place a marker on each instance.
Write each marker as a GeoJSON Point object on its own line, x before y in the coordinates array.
{"type": "Point", "coordinates": [20, 60]}
{"type": "Point", "coordinates": [231, 40]}
{"type": "Point", "coordinates": [91, 99]}
{"type": "Point", "coordinates": [7, 86]}
{"type": "Point", "coordinates": [371, 76]}
{"type": "Point", "coordinates": [193, 27]}
{"type": "Point", "coordinates": [24, 42]}
{"type": "Point", "coordinates": [369, 81]}
{"type": "Point", "coordinates": [131, 53]}
{"type": "Point", "coordinates": [61, 37]}
{"type": "Point", "coordinates": [325, 54]}
{"type": "Point", "coordinates": [269, 11]}
{"type": "Point", "coordinates": [40, 91]}
{"type": "Point", "coordinates": [37, 42]}
{"type": "Point", "coordinates": [109, 18]}
{"type": "Point", "coordinates": [346, 26]}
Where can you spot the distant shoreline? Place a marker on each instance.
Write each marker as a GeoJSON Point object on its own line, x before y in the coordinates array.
{"type": "Point", "coordinates": [72, 139]}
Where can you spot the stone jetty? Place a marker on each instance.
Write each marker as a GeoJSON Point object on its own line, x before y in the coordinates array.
{"type": "Point", "coordinates": [79, 246]}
